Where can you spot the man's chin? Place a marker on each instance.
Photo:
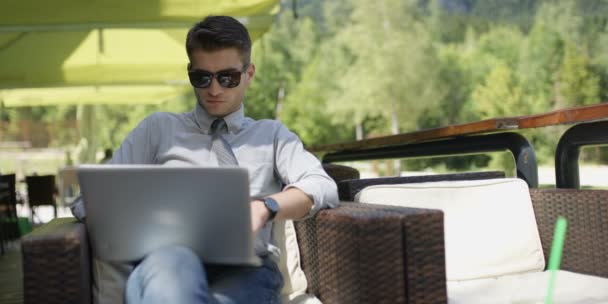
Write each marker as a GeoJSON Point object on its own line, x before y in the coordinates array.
{"type": "Point", "coordinates": [213, 111]}
{"type": "Point", "coordinates": [216, 112]}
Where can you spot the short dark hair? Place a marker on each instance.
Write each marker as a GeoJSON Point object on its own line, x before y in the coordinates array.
{"type": "Point", "coordinates": [219, 32]}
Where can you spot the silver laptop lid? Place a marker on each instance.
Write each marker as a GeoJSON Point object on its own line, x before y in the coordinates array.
{"type": "Point", "coordinates": [135, 209]}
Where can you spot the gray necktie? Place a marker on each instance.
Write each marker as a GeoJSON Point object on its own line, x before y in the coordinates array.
{"type": "Point", "coordinates": [220, 146]}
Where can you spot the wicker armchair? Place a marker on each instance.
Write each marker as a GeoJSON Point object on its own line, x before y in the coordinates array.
{"type": "Point", "coordinates": [586, 245]}
{"type": "Point", "coordinates": [352, 254]}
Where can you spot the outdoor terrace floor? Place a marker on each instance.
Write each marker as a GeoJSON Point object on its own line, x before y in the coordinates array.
{"type": "Point", "coordinates": [11, 276]}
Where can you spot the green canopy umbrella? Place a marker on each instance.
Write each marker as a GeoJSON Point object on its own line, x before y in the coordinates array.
{"type": "Point", "coordinates": [105, 45]}
{"type": "Point", "coordinates": [85, 95]}
{"type": "Point", "coordinates": [105, 51]}
{"type": "Point", "coordinates": [124, 14]}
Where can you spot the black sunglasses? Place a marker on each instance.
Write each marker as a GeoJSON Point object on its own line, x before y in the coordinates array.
{"type": "Point", "coordinates": [227, 79]}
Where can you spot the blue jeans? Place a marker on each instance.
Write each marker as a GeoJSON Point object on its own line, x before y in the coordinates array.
{"type": "Point", "coordinates": [176, 275]}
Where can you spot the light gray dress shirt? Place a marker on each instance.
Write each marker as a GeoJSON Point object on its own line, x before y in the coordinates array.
{"type": "Point", "coordinates": [274, 156]}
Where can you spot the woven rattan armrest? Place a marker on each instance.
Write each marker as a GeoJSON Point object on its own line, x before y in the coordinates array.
{"type": "Point", "coordinates": [56, 263]}
{"type": "Point", "coordinates": [586, 245]}
{"type": "Point", "coordinates": [363, 253]}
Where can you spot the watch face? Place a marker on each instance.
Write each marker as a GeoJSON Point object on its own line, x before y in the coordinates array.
{"type": "Point", "coordinates": [272, 206]}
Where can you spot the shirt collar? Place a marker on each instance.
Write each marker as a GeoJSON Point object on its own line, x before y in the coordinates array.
{"type": "Point", "coordinates": [234, 120]}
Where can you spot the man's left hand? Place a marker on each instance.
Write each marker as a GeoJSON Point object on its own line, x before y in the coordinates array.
{"type": "Point", "coordinates": [259, 215]}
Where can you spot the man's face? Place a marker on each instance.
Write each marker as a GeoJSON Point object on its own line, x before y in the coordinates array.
{"type": "Point", "coordinates": [220, 101]}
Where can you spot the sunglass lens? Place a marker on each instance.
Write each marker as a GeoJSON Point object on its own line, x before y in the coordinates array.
{"type": "Point", "coordinates": [205, 81]}
{"type": "Point", "coordinates": [200, 80]}
{"type": "Point", "coordinates": [229, 79]}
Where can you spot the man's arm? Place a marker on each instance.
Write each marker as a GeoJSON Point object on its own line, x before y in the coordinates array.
{"type": "Point", "coordinates": [293, 204]}
{"type": "Point", "coordinates": [137, 148]}
{"type": "Point", "coordinates": [308, 188]}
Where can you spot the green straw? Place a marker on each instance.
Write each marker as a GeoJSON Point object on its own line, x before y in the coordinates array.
{"type": "Point", "coordinates": [556, 255]}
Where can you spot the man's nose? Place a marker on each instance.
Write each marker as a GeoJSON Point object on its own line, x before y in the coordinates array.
{"type": "Point", "coordinates": [215, 88]}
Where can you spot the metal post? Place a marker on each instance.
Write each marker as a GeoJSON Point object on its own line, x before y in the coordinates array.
{"type": "Point", "coordinates": [568, 150]}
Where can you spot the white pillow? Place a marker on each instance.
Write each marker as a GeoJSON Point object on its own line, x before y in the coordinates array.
{"type": "Point", "coordinates": [289, 263]}
{"type": "Point", "coordinates": [294, 290]}
{"type": "Point", "coordinates": [490, 228]}
{"type": "Point", "coordinates": [109, 281]}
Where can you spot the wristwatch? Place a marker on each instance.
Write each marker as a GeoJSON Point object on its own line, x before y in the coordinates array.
{"type": "Point", "coordinates": [272, 206]}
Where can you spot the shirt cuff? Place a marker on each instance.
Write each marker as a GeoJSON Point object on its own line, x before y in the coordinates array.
{"type": "Point", "coordinates": [77, 208]}
{"type": "Point", "coordinates": [323, 192]}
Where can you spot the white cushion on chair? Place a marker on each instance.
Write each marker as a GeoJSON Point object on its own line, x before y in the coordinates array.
{"type": "Point", "coordinates": [294, 290]}
{"type": "Point", "coordinates": [490, 228]}
{"type": "Point", "coordinates": [528, 288]}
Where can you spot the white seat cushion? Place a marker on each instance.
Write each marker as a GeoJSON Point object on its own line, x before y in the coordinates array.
{"type": "Point", "coordinates": [570, 288]}
{"type": "Point", "coordinates": [109, 281]}
{"type": "Point", "coordinates": [294, 290]}
{"type": "Point", "coordinates": [490, 228]}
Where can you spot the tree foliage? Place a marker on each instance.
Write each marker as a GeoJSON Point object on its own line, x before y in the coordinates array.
{"type": "Point", "coordinates": [406, 64]}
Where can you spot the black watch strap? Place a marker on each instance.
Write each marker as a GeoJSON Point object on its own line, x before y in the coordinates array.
{"type": "Point", "coordinates": [272, 206]}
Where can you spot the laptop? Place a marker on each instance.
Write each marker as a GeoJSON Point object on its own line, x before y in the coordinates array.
{"type": "Point", "coordinates": [134, 209]}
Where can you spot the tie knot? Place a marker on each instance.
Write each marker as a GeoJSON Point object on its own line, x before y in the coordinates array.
{"type": "Point", "coordinates": [218, 126]}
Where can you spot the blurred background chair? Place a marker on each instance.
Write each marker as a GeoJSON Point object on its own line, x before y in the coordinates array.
{"type": "Point", "coordinates": [41, 191]}
{"type": "Point", "coordinates": [3, 236]}
{"type": "Point", "coordinates": [9, 222]}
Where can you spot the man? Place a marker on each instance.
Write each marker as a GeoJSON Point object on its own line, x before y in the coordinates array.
{"type": "Point", "coordinates": [217, 133]}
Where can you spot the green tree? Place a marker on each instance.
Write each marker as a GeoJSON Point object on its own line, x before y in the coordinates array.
{"type": "Point", "coordinates": [577, 83]}
{"type": "Point", "coordinates": [305, 107]}
{"type": "Point", "coordinates": [392, 74]}
{"type": "Point", "coordinates": [280, 56]}
{"type": "Point", "coordinates": [499, 95]}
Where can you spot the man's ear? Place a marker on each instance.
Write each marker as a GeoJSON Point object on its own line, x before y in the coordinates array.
{"type": "Point", "coordinates": [250, 72]}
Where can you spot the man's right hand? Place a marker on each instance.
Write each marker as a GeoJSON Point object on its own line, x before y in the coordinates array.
{"type": "Point", "coordinates": [259, 215]}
